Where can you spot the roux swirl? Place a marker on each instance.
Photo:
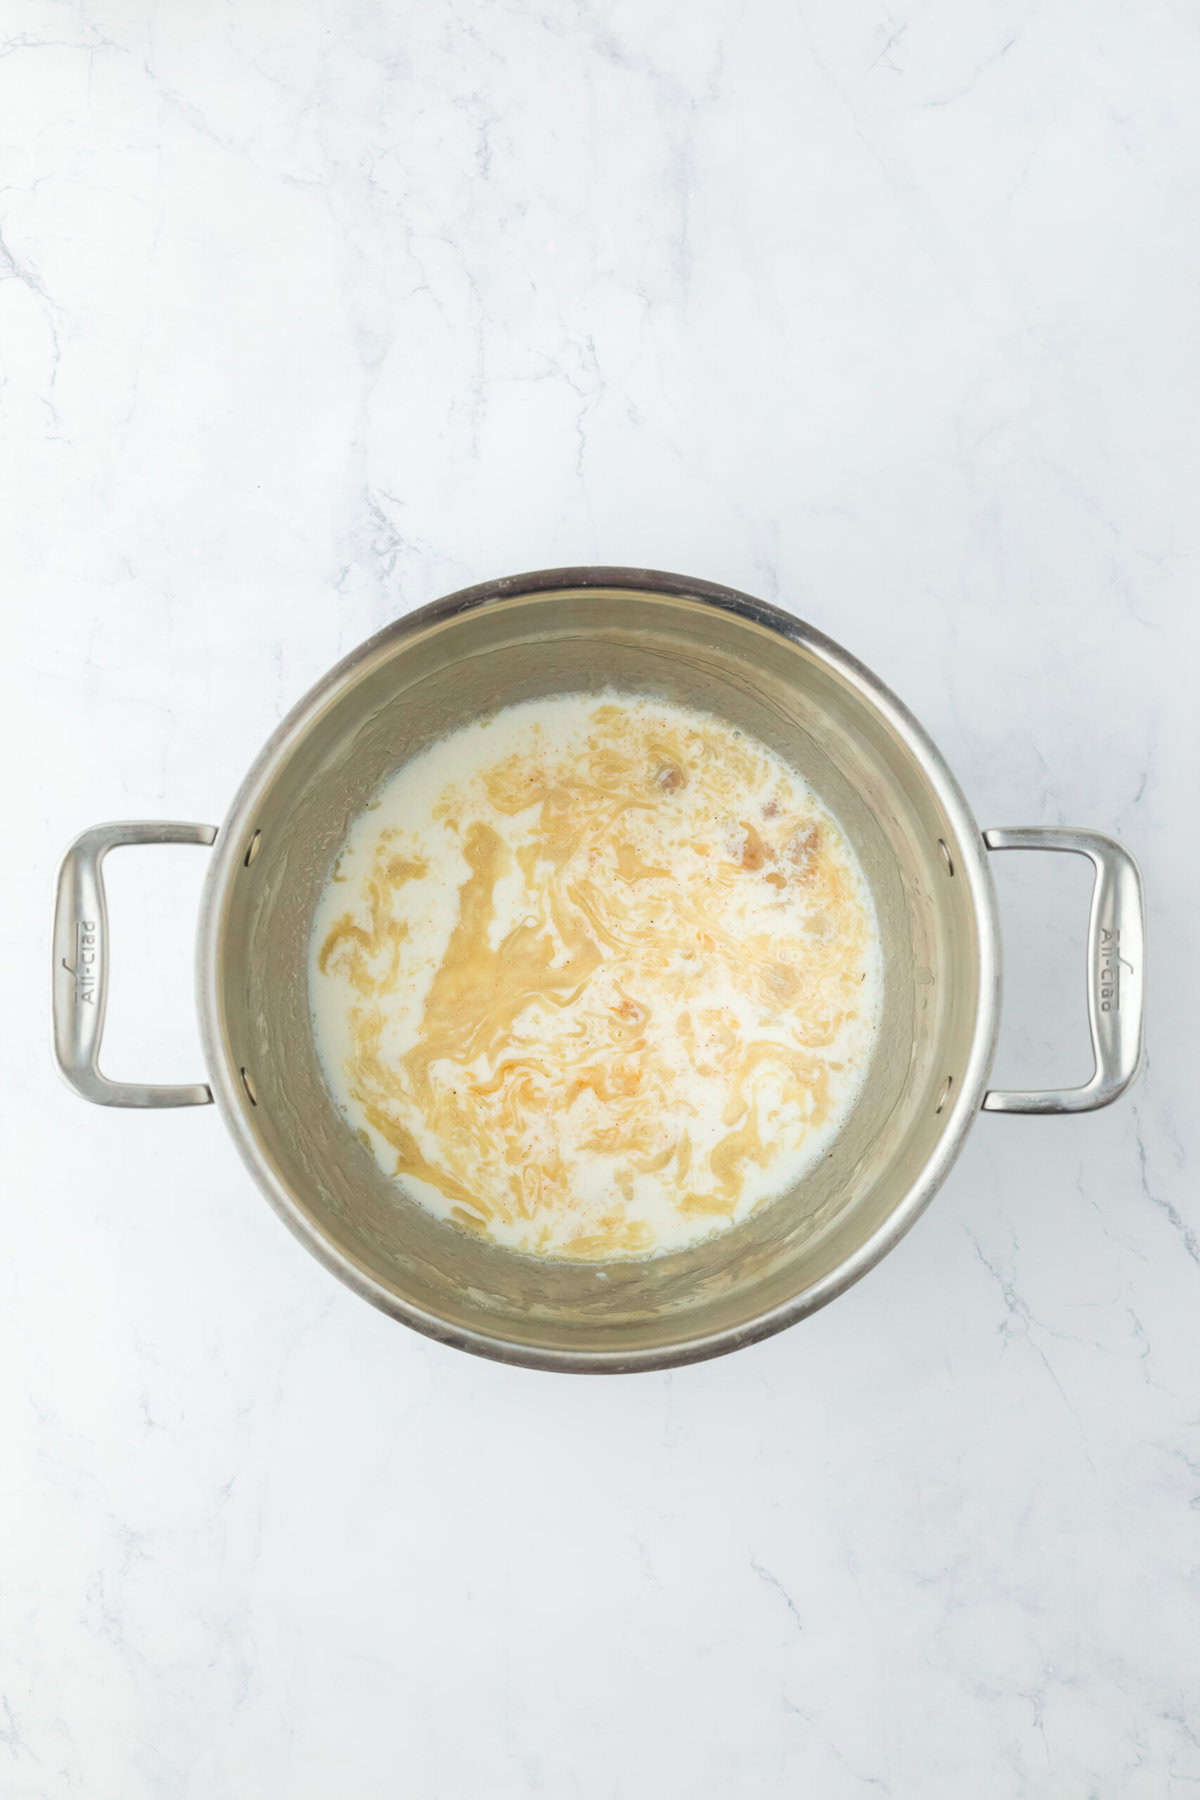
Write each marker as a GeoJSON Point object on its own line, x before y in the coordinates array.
{"type": "Point", "coordinates": [652, 993]}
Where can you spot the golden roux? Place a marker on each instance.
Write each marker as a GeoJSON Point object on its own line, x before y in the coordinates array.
{"type": "Point", "coordinates": [595, 977]}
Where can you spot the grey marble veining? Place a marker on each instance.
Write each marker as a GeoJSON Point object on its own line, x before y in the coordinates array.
{"type": "Point", "coordinates": [310, 314]}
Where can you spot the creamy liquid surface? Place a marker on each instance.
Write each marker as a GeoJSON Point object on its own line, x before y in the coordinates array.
{"type": "Point", "coordinates": [595, 977]}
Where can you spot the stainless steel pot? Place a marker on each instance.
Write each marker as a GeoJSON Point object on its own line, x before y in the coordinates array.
{"type": "Point", "coordinates": [862, 752]}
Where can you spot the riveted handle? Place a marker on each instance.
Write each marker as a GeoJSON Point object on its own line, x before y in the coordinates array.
{"type": "Point", "coordinates": [81, 963]}
{"type": "Point", "coordinates": [1116, 956]}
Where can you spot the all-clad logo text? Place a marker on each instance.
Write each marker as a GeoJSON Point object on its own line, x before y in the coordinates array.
{"type": "Point", "coordinates": [84, 969]}
{"type": "Point", "coordinates": [1109, 971]}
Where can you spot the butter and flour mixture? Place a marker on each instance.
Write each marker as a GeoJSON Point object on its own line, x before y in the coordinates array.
{"type": "Point", "coordinates": [595, 977]}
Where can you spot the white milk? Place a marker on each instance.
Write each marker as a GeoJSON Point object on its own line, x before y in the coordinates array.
{"type": "Point", "coordinates": [595, 977]}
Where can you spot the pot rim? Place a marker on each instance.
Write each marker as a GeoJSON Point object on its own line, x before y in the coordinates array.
{"type": "Point", "coordinates": [237, 829]}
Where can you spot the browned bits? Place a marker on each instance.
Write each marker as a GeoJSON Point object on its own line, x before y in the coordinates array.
{"type": "Point", "coordinates": [754, 852]}
{"type": "Point", "coordinates": [670, 778]}
{"type": "Point", "coordinates": [746, 848]}
{"type": "Point", "coordinates": [803, 848]}
{"type": "Point", "coordinates": [771, 809]}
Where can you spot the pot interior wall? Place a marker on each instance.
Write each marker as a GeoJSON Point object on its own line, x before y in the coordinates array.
{"type": "Point", "coordinates": [411, 689]}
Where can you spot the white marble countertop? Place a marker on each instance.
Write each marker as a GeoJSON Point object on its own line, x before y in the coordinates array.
{"type": "Point", "coordinates": [311, 313]}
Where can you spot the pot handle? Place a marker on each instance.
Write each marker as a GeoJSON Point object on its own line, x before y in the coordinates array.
{"type": "Point", "coordinates": [1116, 955]}
{"type": "Point", "coordinates": [81, 963]}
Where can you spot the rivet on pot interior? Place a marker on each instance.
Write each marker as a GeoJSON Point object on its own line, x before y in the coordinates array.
{"type": "Point", "coordinates": [251, 853]}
